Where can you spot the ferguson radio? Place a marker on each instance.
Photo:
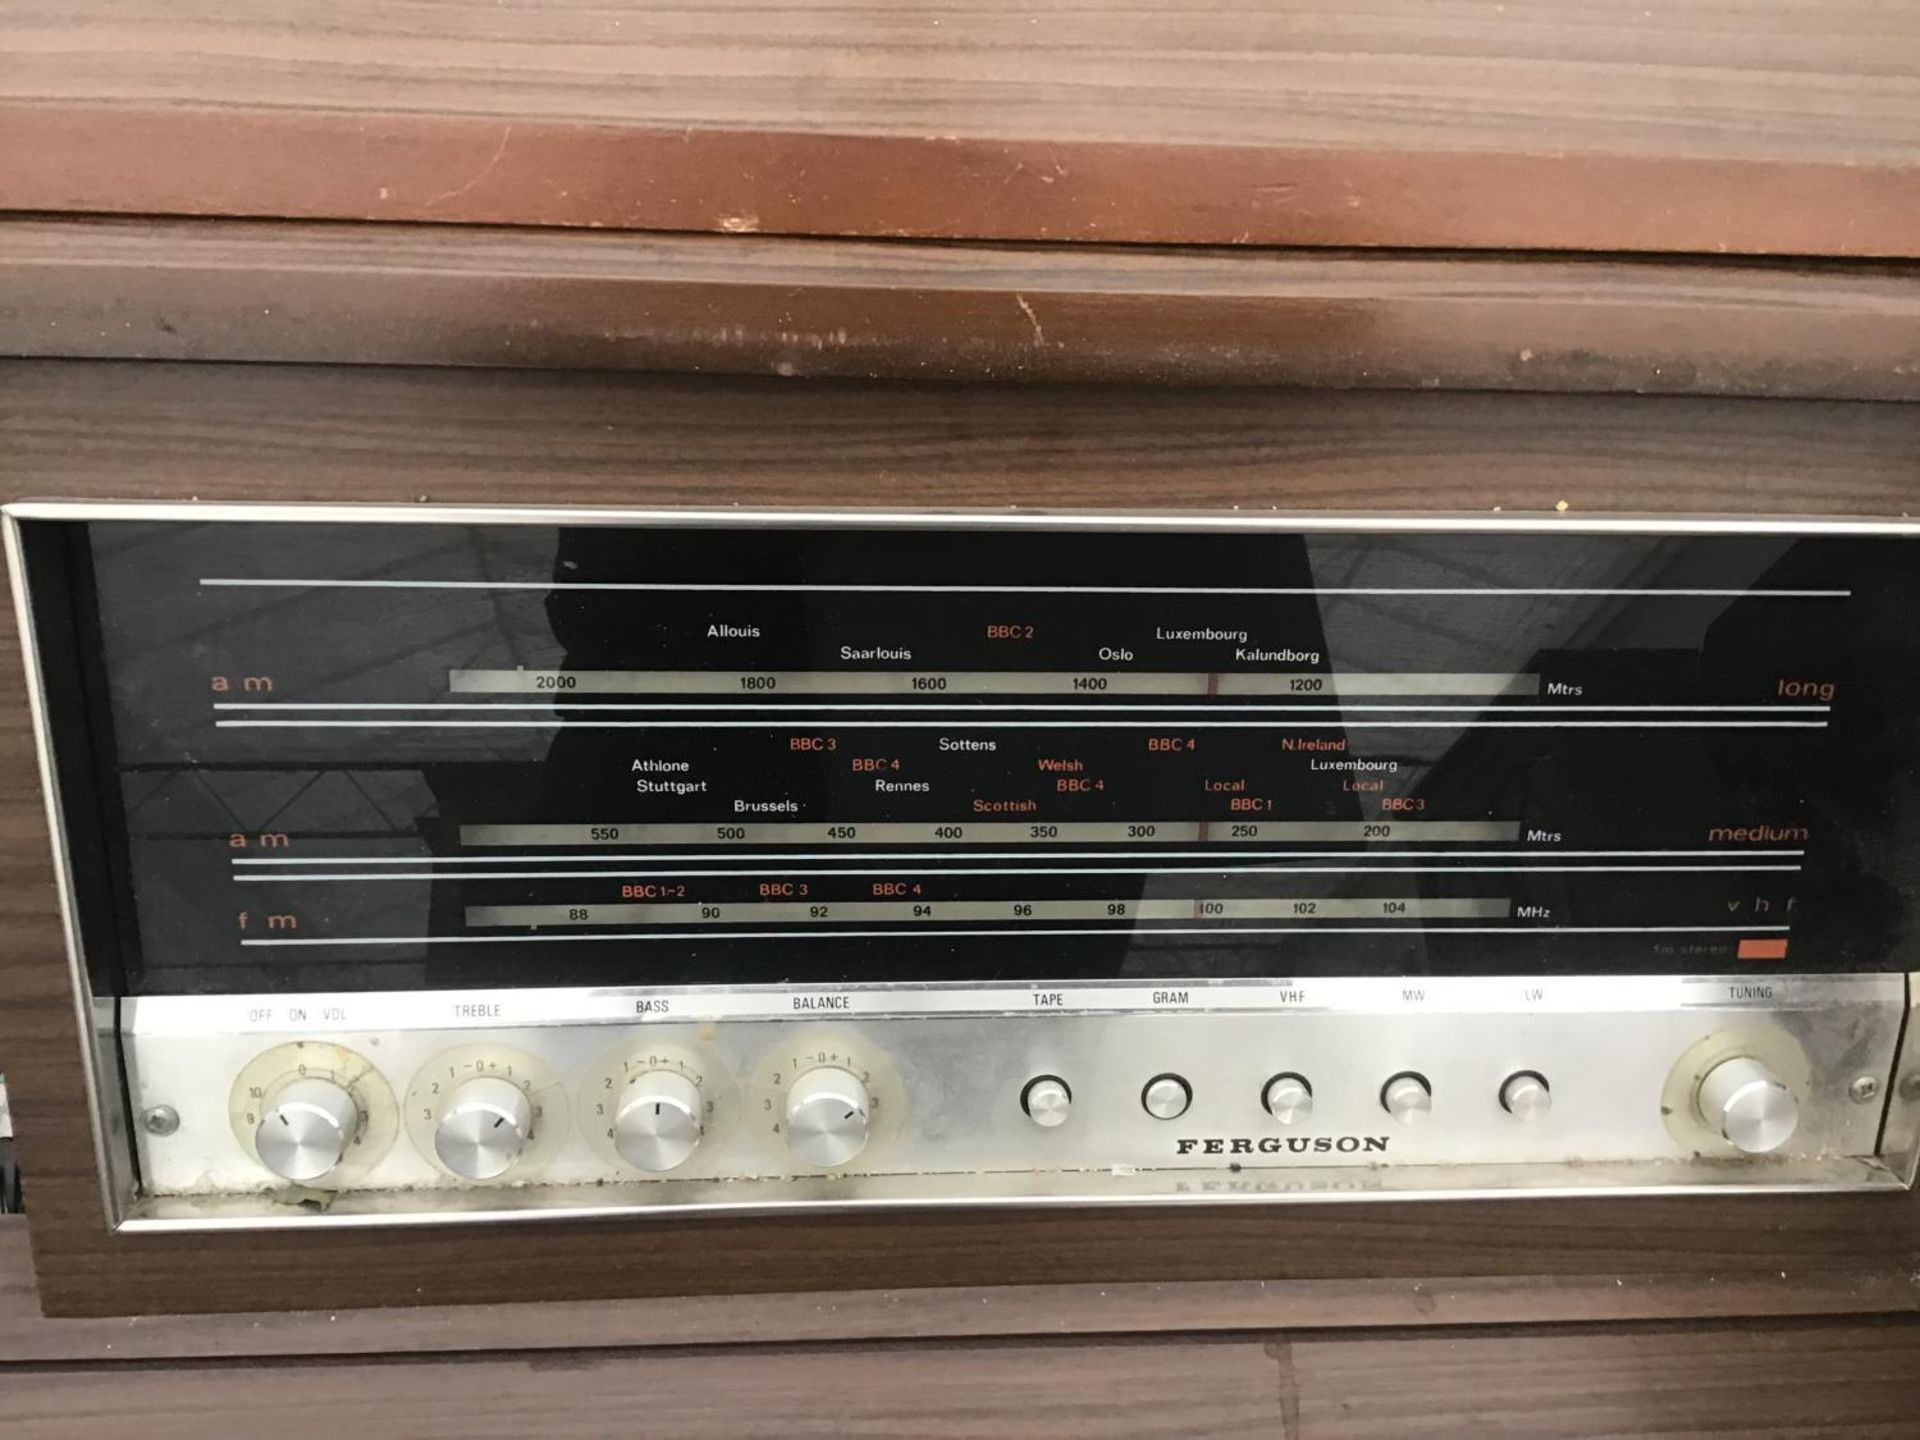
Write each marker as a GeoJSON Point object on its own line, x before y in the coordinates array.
{"type": "Point", "coordinates": [440, 864]}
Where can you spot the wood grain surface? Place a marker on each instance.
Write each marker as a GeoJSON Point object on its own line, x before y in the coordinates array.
{"type": "Point", "coordinates": [942, 1312]}
{"type": "Point", "coordinates": [812, 1365]}
{"type": "Point", "coordinates": [1725, 125]}
{"type": "Point", "coordinates": [438, 295]}
{"type": "Point", "coordinates": [132, 430]}
{"type": "Point", "coordinates": [1845, 1381]}
{"type": "Point", "coordinates": [1853, 1380]}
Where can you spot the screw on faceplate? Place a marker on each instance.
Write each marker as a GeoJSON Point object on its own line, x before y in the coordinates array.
{"type": "Point", "coordinates": [161, 1120]}
{"type": "Point", "coordinates": [1863, 1089]}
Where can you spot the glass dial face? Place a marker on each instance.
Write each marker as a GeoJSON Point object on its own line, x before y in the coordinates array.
{"type": "Point", "coordinates": [329, 757]}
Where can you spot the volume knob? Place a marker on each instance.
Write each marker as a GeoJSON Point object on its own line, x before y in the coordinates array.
{"type": "Point", "coordinates": [1745, 1102]}
{"type": "Point", "coordinates": [827, 1117]}
{"type": "Point", "coordinates": [306, 1133]}
{"type": "Point", "coordinates": [484, 1128]}
{"type": "Point", "coordinates": [658, 1125]}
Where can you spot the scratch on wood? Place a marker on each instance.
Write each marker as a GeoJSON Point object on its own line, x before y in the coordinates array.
{"type": "Point", "coordinates": [1039, 334]}
{"type": "Point", "coordinates": [485, 170]}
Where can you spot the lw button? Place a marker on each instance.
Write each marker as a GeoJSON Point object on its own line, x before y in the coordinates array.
{"type": "Point", "coordinates": [1525, 1096]}
{"type": "Point", "coordinates": [1166, 1097]}
{"type": "Point", "coordinates": [1048, 1101]}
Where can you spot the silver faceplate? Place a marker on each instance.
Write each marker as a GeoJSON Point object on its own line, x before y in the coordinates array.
{"type": "Point", "coordinates": [946, 1067]}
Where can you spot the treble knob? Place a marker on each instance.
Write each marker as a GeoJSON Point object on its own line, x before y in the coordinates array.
{"type": "Point", "coordinates": [485, 1126]}
{"type": "Point", "coordinates": [658, 1124]}
{"type": "Point", "coordinates": [306, 1133]}
{"type": "Point", "coordinates": [827, 1117]}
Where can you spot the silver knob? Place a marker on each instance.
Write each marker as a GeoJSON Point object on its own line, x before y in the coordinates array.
{"type": "Point", "coordinates": [658, 1124]}
{"type": "Point", "coordinates": [1749, 1105]}
{"type": "Point", "coordinates": [307, 1131]}
{"type": "Point", "coordinates": [1289, 1099]}
{"type": "Point", "coordinates": [1047, 1100]}
{"type": "Point", "coordinates": [1166, 1097]}
{"type": "Point", "coordinates": [1407, 1098]}
{"type": "Point", "coordinates": [484, 1128]}
{"type": "Point", "coordinates": [827, 1117]}
{"type": "Point", "coordinates": [1526, 1096]}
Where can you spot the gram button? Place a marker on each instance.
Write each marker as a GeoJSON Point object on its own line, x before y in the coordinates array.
{"type": "Point", "coordinates": [1166, 1097]}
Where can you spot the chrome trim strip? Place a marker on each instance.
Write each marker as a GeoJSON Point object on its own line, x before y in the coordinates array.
{"type": "Point", "coordinates": [837, 1196]}
{"type": "Point", "coordinates": [497, 1009]}
{"type": "Point", "coordinates": [1900, 1135]}
{"type": "Point", "coordinates": [1319, 522]}
{"type": "Point", "coordinates": [99, 1037]}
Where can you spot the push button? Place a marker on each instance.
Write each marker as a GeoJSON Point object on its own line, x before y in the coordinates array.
{"type": "Point", "coordinates": [1525, 1096]}
{"type": "Point", "coordinates": [1166, 1097]}
{"type": "Point", "coordinates": [1289, 1099]}
{"type": "Point", "coordinates": [1048, 1101]}
{"type": "Point", "coordinates": [1407, 1098]}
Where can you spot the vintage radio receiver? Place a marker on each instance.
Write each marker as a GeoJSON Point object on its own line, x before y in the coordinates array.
{"type": "Point", "coordinates": [441, 863]}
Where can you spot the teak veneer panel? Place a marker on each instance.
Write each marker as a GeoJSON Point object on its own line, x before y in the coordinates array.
{"type": "Point", "coordinates": [1722, 125]}
{"type": "Point", "coordinates": [1037, 1363]}
{"type": "Point", "coordinates": [445, 295]}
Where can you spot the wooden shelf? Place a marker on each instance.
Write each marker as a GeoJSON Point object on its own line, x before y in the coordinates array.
{"type": "Point", "coordinates": [482, 296]}
{"type": "Point", "coordinates": [1242, 1359]}
{"type": "Point", "coordinates": [1754, 126]}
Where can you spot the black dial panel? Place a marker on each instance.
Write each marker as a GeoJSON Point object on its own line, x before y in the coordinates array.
{"type": "Point", "coordinates": [334, 756]}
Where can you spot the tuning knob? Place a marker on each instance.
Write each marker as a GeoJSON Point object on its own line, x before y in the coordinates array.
{"type": "Point", "coordinates": [1745, 1102]}
{"type": "Point", "coordinates": [658, 1124]}
{"type": "Point", "coordinates": [1407, 1098]}
{"type": "Point", "coordinates": [827, 1117]}
{"type": "Point", "coordinates": [307, 1131]}
{"type": "Point", "coordinates": [485, 1126]}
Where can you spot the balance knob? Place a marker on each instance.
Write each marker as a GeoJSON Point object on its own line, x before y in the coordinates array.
{"type": "Point", "coordinates": [658, 1123]}
{"type": "Point", "coordinates": [827, 1117]}
{"type": "Point", "coordinates": [1407, 1098]}
{"type": "Point", "coordinates": [484, 1128]}
{"type": "Point", "coordinates": [307, 1131]}
{"type": "Point", "coordinates": [1749, 1105]}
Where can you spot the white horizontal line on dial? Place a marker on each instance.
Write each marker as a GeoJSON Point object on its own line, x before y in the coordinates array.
{"type": "Point", "coordinates": [940, 855]}
{"type": "Point", "coordinates": [1029, 932]}
{"type": "Point", "coordinates": [1059, 870]}
{"type": "Point", "coordinates": [1305, 591]}
{"type": "Point", "coordinates": [952, 724]}
{"type": "Point", "coordinates": [557, 703]}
